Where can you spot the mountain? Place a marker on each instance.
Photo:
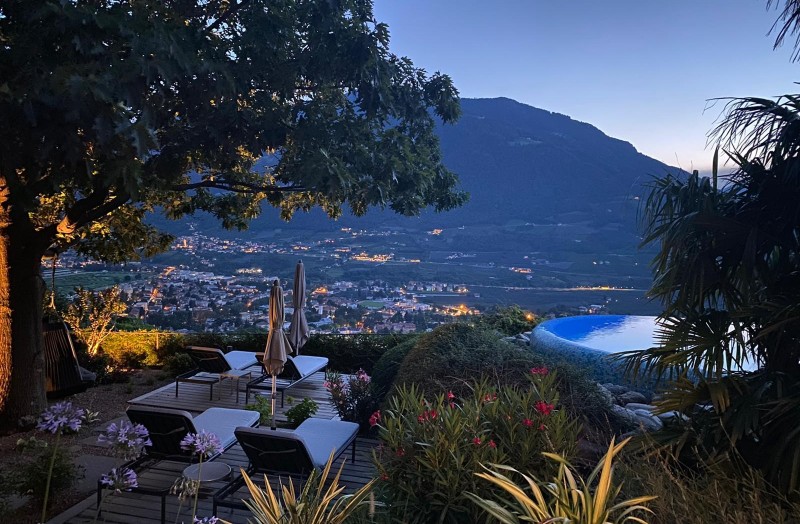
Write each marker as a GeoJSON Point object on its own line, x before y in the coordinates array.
{"type": "Point", "coordinates": [519, 163]}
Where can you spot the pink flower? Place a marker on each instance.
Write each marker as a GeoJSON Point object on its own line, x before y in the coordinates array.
{"type": "Point", "coordinates": [433, 414]}
{"type": "Point", "coordinates": [542, 427]}
{"type": "Point", "coordinates": [384, 476]}
{"type": "Point", "coordinates": [527, 422]}
{"type": "Point", "coordinates": [490, 397]}
{"type": "Point", "coordinates": [476, 441]}
{"type": "Point", "coordinates": [421, 419]}
{"type": "Point", "coordinates": [452, 405]}
{"type": "Point", "coordinates": [544, 408]}
{"type": "Point", "coordinates": [375, 419]}
{"type": "Point", "coordinates": [542, 371]}
{"type": "Point", "coordinates": [400, 452]}
{"type": "Point", "coordinates": [492, 444]}
{"type": "Point", "coordinates": [450, 395]}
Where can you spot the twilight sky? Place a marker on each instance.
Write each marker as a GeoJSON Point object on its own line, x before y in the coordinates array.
{"type": "Point", "coordinates": [640, 70]}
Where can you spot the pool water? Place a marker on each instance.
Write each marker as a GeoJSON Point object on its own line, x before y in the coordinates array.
{"type": "Point", "coordinates": [606, 333]}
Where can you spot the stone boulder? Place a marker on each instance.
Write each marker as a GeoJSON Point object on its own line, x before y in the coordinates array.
{"type": "Point", "coordinates": [630, 397]}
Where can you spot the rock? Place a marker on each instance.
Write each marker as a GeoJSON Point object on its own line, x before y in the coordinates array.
{"type": "Point", "coordinates": [522, 337]}
{"type": "Point", "coordinates": [669, 415]}
{"type": "Point", "coordinates": [605, 394]}
{"type": "Point", "coordinates": [615, 389]}
{"type": "Point", "coordinates": [647, 421]}
{"type": "Point", "coordinates": [631, 397]}
{"type": "Point", "coordinates": [625, 414]}
{"type": "Point", "coordinates": [634, 406]}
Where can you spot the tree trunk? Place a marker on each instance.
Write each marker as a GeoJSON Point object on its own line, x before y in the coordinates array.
{"type": "Point", "coordinates": [22, 380]}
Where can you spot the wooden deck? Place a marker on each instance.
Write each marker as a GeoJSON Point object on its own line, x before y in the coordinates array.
{"type": "Point", "coordinates": [140, 508]}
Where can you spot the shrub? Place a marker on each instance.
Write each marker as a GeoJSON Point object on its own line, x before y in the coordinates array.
{"type": "Point", "coordinates": [387, 366]}
{"type": "Point", "coordinates": [302, 411]}
{"type": "Point", "coordinates": [178, 363]}
{"type": "Point", "coordinates": [721, 491]}
{"type": "Point", "coordinates": [567, 498]}
{"type": "Point", "coordinates": [511, 320]}
{"type": "Point", "coordinates": [263, 405]}
{"type": "Point", "coordinates": [353, 398]}
{"type": "Point", "coordinates": [433, 446]}
{"type": "Point", "coordinates": [452, 356]}
{"type": "Point", "coordinates": [31, 476]}
{"type": "Point", "coordinates": [347, 353]}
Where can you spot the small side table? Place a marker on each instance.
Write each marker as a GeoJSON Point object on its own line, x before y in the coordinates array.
{"type": "Point", "coordinates": [209, 472]}
{"type": "Point", "coordinates": [236, 374]}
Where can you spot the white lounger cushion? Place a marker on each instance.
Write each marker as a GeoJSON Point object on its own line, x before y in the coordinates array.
{"type": "Point", "coordinates": [240, 359]}
{"type": "Point", "coordinates": [223, 421]}
{"type": "Point", "coordinates": [323, 436]}
{"type": "Point", "coordinates": [307, 364]}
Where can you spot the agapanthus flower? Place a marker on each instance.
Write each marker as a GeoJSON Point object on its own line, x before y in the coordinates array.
{"type": "Point", "coordinates": [62, 417]}
{"type": "Point", "coordinates": [543, 407]}
{"type": "Point", "coordinates": [203, 444]}
{"type": "Point", "coordinates": [127, 440]}
{"type": "Point", "coordinates": [122, 479]}
{"type": "Point", "coordinates": [184, 488]}
{"type": "Point", "coordinates": [206, 520]}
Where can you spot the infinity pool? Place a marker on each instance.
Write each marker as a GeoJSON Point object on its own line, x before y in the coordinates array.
{"type": "Point", "coordinates": [606, 333]}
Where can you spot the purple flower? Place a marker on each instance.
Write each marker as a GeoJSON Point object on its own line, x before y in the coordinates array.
{"type": "Point", "coordinates": [203, 444]}
{"type": "Point", "coordinates": [122, 479]}
{"type": "Point", "coordinates": [206, 520]}
{"type": "Point", "coordinates": [126, 440]}
{"type": "Point", "coordinates": [61, 418]}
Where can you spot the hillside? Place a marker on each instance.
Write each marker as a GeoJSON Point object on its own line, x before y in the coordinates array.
{"type": "Point", "coordinates": [518, 163]}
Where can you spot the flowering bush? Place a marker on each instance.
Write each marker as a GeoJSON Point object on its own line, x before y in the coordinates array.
{"type": "Point", "coordinates": [353, 398]}
{"type": "Point", "coordinates": [431, 448]}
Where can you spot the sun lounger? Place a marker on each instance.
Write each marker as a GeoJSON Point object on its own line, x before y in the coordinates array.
{"type": "Point", "coordinates": [294, 453]}
{"type": "Point", "coordinates": [214, 366]}
{"type": "Point", "coordinates": [296, 370]}
{"type": "Point", "coordinates": [168, 427]}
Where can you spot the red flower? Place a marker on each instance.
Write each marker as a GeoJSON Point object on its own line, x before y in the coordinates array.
{"type": "Point", "coordinates": [450, 395]}
{"type": "Point", "coordinates": [384, 476]}
{"type": "Point", "coordinates": [421, 419]}
{"type": "Point", "coordinates": [527, 422]}
{"type": "Point", "coordinates": [492, 444]}
{"type": "Point", "coordinates": [490, 397]}
{"type": "Point", "coordinates": [476, 441]}
{"type": "Point", "coordinates": [542, 427]}
{"type": "Point", "coordinates": [452, 404]}
{"type": "Point", "coordinates": [543, 407]}
{"type": "Point", "coordinates": [375, 419]}
{"type": "Point", "coordinates": [433, 414]}
{"type": "Point", "coordinates": [542, 371]}
{"type": "Point", "coordinates": [400, 452]}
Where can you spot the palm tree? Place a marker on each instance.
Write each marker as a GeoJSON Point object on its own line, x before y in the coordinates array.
{"type": "Point", "coordinates": [728, 273]}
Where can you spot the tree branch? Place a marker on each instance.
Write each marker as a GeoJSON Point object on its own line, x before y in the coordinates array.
{"type": "Point", "coordinates": [238, 187]}
{"type": "Point", "coordinates": [227, 14]}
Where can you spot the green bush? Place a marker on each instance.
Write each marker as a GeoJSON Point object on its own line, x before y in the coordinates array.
{"type": "Point", "coordinates": [349, 353]}
{"type": "Point", "coordinates": [302, 411]}
{"type": "Point", "coordinates": [177, 363]}
{"type": "Point", "coordinates": [30, 478]}
{"type": "Point", "coordinates": [387, 366]}
{"type": "Point", "coordinates": [453, 355]}
{"type": "Point", "coordinates": [511, 320]}
{"type": "Point", "coordinates": [433, 446]}
{"type": "Point", "coordinates": [263, 405]}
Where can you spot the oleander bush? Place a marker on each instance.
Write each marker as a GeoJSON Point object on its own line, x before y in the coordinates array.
{"type": "Point", "coordinates": [432, 446]}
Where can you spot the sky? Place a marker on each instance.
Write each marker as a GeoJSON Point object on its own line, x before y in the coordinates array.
{"type": "Point", "coordinates": [639, 70]}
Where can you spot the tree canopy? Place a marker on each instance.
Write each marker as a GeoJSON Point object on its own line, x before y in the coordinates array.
{"type": "Point", "coordinates": [113, 109]}
{"type": "Point", "coordinates": [117, 107]}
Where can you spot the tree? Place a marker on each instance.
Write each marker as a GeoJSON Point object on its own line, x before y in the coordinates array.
{"type": "Point", "coordinates": [93, 315]}
{"type": "Point", "coordinates": [113, 109]}
{"type": "Point", "coordinates": [728, 273]}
